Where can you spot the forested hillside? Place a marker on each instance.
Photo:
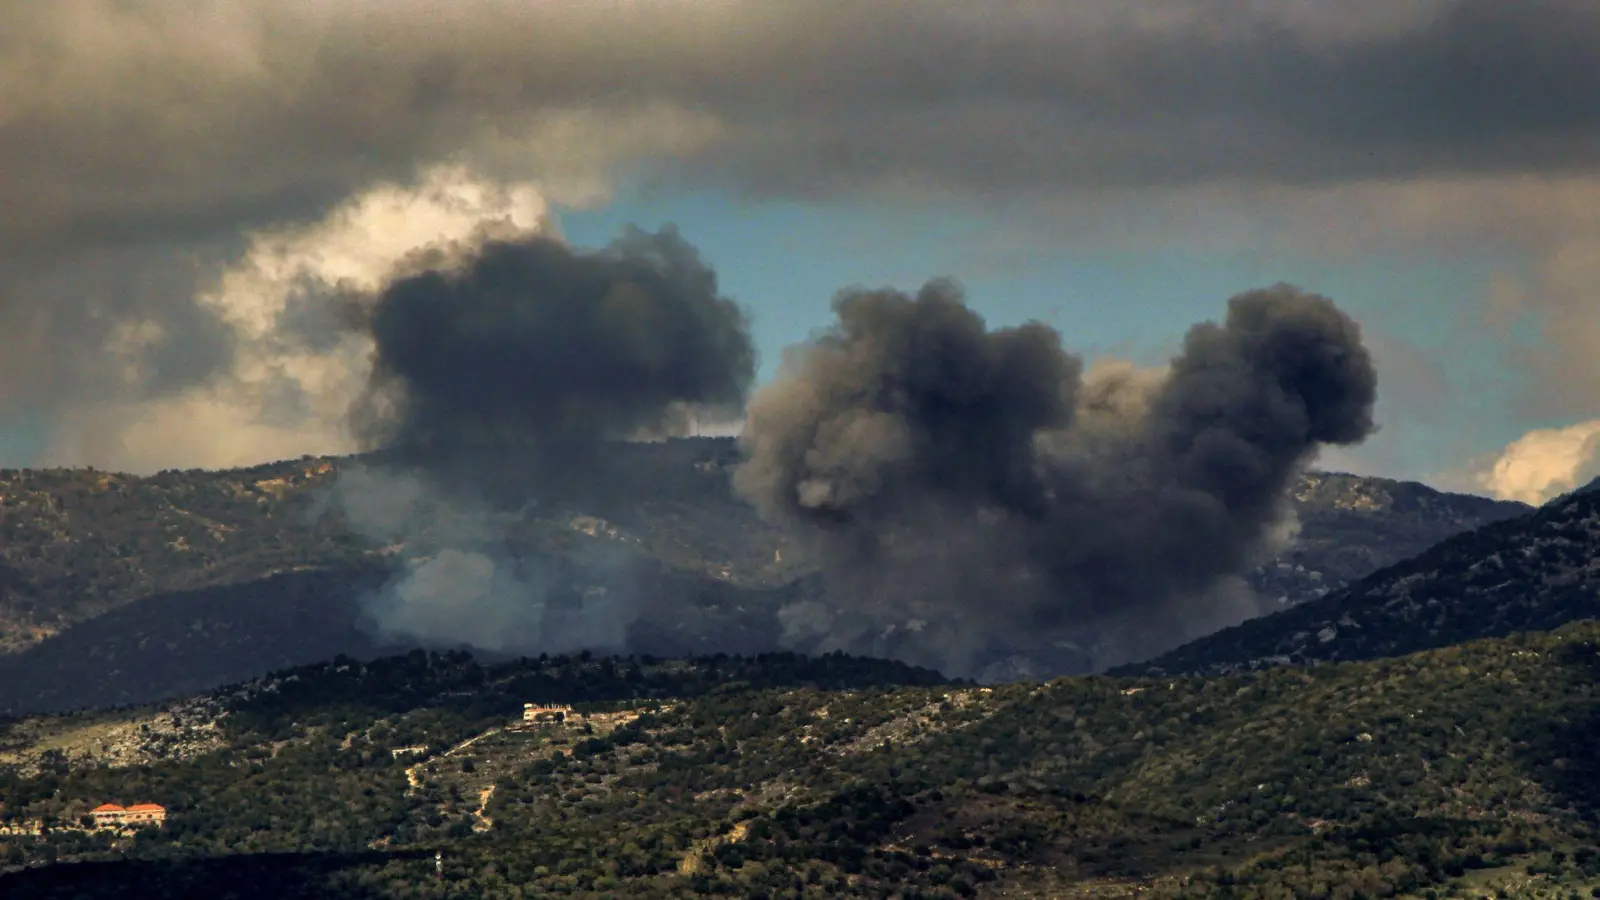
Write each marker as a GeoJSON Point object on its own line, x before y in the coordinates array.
{"type": "Point", "coordinates": [1463, 769]}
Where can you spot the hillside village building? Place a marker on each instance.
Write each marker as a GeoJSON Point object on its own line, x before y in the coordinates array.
{"type": "Point", "coordinates": [110, 815]}
{"type": "Point", "coordinates": [533, 713]}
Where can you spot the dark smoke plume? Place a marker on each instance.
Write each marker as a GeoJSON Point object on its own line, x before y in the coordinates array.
{"type": "Point", "coordinates": [530, 342]}
{"type": "Point", "coordinates": [497, 371]}
{"type": "Point", "coordinates": [970, 490]}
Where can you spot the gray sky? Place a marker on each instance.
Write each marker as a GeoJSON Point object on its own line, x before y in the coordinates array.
{"type": "Point", "coordinates": [142, 142]}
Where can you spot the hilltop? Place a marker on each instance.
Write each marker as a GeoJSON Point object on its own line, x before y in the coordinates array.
{"type": "Point", "coordinates": [1529, 573]}
{"type": "Point", "coordinates": [1353, 525]}
{"type": "Point", "coordinates": [1471, 767]}
{"type": "Point", "coordinates": [117, 589]}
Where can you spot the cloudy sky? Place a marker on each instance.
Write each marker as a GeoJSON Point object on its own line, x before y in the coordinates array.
{"type": "Point", "coordinates": [181, 181]}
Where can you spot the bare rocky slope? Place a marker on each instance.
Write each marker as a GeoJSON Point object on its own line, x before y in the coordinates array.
{"type": "Point", "coordinates": [120, 589]}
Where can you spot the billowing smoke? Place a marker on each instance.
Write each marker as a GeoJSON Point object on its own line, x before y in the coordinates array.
{"type": "Point", "coordinates": [531, 343]}
{"type": "Point", "coordinates": [498, 369]}
{"type": "Point", "coordinates": [972, 492]}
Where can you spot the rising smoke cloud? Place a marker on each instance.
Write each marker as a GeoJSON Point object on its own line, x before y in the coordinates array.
{"type": "Point", "coordinates": [971, 489]}
{"type": "Point", "coordinates": [499, 366]}
{"type": "Point", "coordinates": [531, 343]}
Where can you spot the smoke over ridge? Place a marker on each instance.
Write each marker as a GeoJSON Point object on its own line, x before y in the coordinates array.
{"type": "Point", "coordinates": [972, 490]}
{"type": "Point", "coordinates": [971, 493]}
{"type": "Point", "coordinates": [498, 367]}
{"type": "Point", "coordinates": [466, 576]}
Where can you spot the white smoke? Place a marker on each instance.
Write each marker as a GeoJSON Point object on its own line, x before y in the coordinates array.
{"type": "Point", "coordinates": [459, 582]}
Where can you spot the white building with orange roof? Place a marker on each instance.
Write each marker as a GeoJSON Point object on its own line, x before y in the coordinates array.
{"type": "Point", "coordinates": [147, 814]}
{"type": "Point", "coordinates": [110, 815]}
{"type": "Point", "coordinates": [107, 815]}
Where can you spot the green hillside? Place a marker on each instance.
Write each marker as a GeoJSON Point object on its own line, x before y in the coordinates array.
{"type": "Point", "coordinates": [1471, 768]}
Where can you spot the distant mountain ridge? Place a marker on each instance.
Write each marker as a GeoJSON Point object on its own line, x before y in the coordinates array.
{"type": "Point", "coordinates": [1532, 573]}
{"type": "Point", "coordinates": [119, 589]}
{"type": "Point", "coordinates": [1352, 525]}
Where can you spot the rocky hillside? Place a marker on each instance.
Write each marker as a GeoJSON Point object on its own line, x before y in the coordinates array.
{"type": "Point", "coordinates": [1467, 771]}
{"type": "Point", "coordinates": [119, 589]}
{"type": "Point", "coordinates": [1530, 573]}
{"type": "Point", "coordinates": [1351, 526]}
{"type": "Point", "coordinates": [75, 544]}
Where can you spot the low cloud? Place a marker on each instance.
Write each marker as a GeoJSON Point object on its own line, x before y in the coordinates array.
{"type": "Point", "coordinates": [292, 373]}
{"type": "Point", "coordinates": [1545, 463]}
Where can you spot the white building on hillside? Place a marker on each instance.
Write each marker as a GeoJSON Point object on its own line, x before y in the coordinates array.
{"type": "Point", "coordinates": [533, 713]}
